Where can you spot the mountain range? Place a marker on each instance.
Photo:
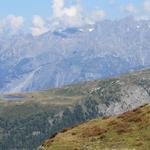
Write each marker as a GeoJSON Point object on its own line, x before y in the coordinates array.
{"type": "Point", "coordinates": [69, 55]}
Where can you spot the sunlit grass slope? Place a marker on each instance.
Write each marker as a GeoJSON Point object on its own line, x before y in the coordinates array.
{"type": "Point", "coordinates": [131, 130]}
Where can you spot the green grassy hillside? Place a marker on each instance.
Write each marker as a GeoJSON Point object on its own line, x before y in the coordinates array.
{"type": "Point", "coordinates": [131, 130]}
{"type": "Point", "coordinates": [27, 119]}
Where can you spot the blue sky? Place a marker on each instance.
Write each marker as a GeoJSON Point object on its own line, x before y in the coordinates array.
{"type": "Point", "coordinates": [41, 15]}
{"type": "Point", "coordinates": [28, 8]}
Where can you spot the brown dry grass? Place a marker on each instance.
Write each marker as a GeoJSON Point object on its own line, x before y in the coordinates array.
{"type": "Point", "coordinates": [94, 131]}
{"type": "Point", "coordinates": [130, 130]}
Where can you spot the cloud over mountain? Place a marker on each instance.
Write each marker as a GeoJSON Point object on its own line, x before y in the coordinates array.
{"type": "Point", "coordinates": [75, 13]}
{"type": "Point", "coordinates": [15, 22]}
{"type": "Point", "coordinates": [38, 25]}
{"type": "Point", "coordinates": [59, 9]}
{"type": "Point", "coordinates": [147, 5]}
{"type": "Point", "coordinates": [11, 22]}
{"type": "Point", "coordinates": [130, 8]}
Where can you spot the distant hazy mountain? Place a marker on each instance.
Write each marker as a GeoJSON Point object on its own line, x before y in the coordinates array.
{"type": "Point", "coordinates": [70, 55]}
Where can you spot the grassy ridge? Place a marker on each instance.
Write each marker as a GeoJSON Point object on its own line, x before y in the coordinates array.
{"type": "Point", "coordinates": [131, 130]}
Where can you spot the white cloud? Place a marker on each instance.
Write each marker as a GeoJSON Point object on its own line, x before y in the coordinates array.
{"type": "Point", "coordinates": [36, 31]}
{"type": "Point", "coordinates": [74, 15]}
{"type": "Point", "coordinates": [98, 15]}
{"type": "Point", "coordinates": [38, 26]}
{"type": "Point", "coordinates": [147, 5]}
{"type": "Point", "coordinates": [66, 15]}
{"type": "Point", "coordinates": [58, 6]}
{"type": "Point", "coordinates": [15, 22]}
{"type": "Point", "coordinates": [38, 21]}
{"type": "Point", "coordinates": [11, 24]}
{"type": "Point", "coordinates": [59, 9]}
{"type": "Point", "coordinates": [130, 8]}
{"type": "Point", "coordinates": [72, 11]}
{"type": "Point", "coordinates": [94, 16]}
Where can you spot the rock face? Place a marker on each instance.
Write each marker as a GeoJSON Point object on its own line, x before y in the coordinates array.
{"type": "Point", "coordinates": [105, 49]}
{"type": "Point", "coordinates": [25, 123]}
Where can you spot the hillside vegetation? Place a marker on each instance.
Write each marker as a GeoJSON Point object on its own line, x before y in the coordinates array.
{"type": "Point", "coordinates": [28, 119]}
{"type": "Point", "coordinates": [131, 130]}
